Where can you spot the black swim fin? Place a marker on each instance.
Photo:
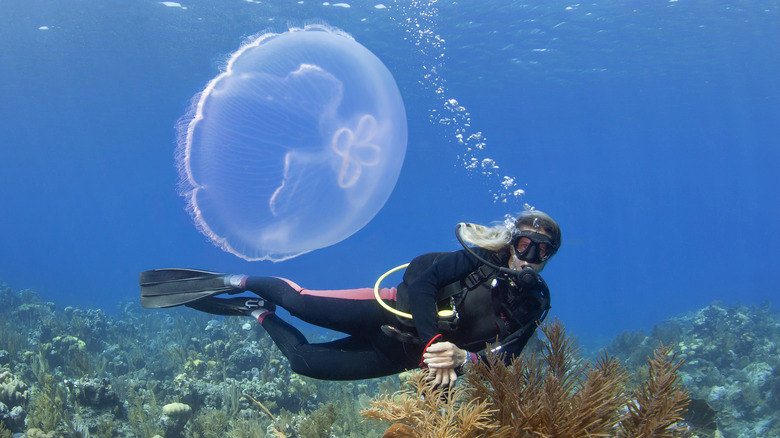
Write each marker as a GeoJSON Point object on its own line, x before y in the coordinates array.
{"type": "Point", "coordinates": [238, 306]}
{"type": "Point", "coordinates": [174, 287]}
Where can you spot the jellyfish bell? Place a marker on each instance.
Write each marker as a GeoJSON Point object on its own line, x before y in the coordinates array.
{"type": "Point", "coordinates": [295, 146]}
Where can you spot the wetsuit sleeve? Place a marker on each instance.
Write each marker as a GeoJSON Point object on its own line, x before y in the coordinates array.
{"type": "Point", "coordinates": [452, 267]}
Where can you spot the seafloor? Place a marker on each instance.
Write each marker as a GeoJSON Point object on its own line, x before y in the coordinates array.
{"type": "Point", "coordinates": [76, 372]}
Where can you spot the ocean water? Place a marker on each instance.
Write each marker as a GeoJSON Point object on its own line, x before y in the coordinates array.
{"type": "Point", "coordinates": [648, 129]}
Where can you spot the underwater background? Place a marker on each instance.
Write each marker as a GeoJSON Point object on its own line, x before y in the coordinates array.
{"type": "Point", "coordinates": [648, 129]}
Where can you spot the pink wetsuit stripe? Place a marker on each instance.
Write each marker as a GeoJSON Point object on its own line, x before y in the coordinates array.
{"type": "Point", "coordinates": [365, 293]}
{"type": "Point", "coordinates": [291, 283]}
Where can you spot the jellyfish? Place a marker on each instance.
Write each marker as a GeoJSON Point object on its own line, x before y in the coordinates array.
{"type": "Point", "coordinates": [295, 146]}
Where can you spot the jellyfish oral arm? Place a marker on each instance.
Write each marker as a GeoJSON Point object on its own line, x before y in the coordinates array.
{"type": "Point", "coordinates": [356, 150]}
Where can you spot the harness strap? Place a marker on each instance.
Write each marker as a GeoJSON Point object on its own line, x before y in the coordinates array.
{"type": "Point", "coordinates": [515, 336]}
{"type": "Point", "coordinates": [484, 272]}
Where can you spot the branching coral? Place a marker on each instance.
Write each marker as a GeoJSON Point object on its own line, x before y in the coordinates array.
{"type": "Point", "coordinates": [432, 412]}
{"type": "Point", "coordinates": [554, 394]}
{"type": "Point", "coordinates": [4, 433]}
{"type": "Point", "coordinates": [660, 402]}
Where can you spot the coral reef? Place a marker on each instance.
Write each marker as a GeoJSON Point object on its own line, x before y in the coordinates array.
{"type": "Point", "coordinates": [174, 418]}
{"type": "Point", "coordinates": [554, 394]}
{"type": "Point", "coordinates": [82, 372]}
{"type": "Point", "coordinates": [85, 372]}
{"type": "Point", "coordinates": [731, 362]}
{"type": "Point", "coordinates": [13, 399]}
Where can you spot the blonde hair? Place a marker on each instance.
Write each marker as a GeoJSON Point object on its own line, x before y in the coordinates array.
{"type": "Point", "coordinates": [499, 236]}
{"type": "Point", "coordinates": [492, 238]}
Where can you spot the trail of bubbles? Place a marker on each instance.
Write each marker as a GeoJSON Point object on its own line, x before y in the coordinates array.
{"type": "Point", "coordinates": [418, 18]}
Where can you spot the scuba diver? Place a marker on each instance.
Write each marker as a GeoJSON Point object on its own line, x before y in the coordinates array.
{"type": "Point", "coordinates": [450, 310]}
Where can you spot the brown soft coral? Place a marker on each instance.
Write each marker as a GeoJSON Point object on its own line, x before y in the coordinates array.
{"type": "Point", "coordinates": [432, 412]}
{"type": "Point", "coordinates": [555, 394]}
{"type": "Point", "coordinates": [660, 403]}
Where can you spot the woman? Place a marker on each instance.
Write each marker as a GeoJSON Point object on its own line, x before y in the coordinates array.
{"type": "Point", "coordinates": [459, 302]}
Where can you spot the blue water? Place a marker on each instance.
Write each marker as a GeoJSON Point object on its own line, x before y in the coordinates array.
{"type": "Point", "coordinates": [648, 129]}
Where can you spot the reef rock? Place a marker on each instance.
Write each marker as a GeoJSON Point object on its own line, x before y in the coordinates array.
{"type": "Point", "coordinates": [95, 393]}
{"type": "Point", "coordinates": [13, 401]}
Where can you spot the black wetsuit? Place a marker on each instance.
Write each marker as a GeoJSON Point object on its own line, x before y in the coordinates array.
{"type": "Point", "coordinates": [368, 352]}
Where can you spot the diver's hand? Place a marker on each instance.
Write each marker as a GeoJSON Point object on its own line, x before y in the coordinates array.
{"type": "Point", "coordinates": [444, 355]}
{"type": "Point", "coordinates": [442, 377]}
{"type": "Point", "coordinates": [442, 358]}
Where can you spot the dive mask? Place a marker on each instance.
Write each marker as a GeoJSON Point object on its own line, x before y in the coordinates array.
{"type": "Point", "coordinates": [532, 247]}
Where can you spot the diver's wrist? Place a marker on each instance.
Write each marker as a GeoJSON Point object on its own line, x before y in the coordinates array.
{"type": "Point", "coordinates": [471, 358]}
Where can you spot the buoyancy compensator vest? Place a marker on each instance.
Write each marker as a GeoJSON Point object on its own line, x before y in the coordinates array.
{"type": "Point", "coordinates": [485, 306]}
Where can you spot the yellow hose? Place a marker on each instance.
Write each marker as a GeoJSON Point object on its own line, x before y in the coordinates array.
{"type": "Point", "coordinates": [379, 299]}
